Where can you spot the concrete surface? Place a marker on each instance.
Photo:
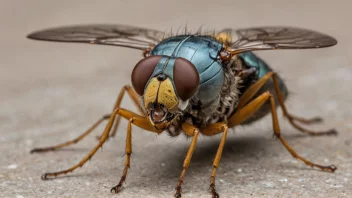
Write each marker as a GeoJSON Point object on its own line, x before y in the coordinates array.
{"type": "Point", "coordinates": [51, 92]}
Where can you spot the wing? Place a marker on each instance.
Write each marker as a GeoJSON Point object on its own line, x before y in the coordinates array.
{"type": "Point", "coordinates": [269, 38]}
{"type": "Point", "coordinates": [102, 34]}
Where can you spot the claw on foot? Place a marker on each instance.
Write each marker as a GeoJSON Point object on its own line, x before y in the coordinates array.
{"type": "Point", "coordinates": [178, 192]}
{"type": "Point", "coordinates": [215, 194]}
{"type": "Point", "coordinates": [213, 191]}
{"type": "Point", "coordinates": [116, 189]}
{"type": "Point", "coordinates": [44, 177]}
{"type": "Point", "coordinates": [331, 132]}
{"type": "Point", "coordinates": [48, 176]}
{"type": "Point", "coordinates": [330, 168]}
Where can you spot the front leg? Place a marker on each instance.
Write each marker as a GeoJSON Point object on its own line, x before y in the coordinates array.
{"type": "Point", "coordinates": [143, 123]}
{"type": "Point", "coordinates": [118, 187]}
{"type": "Point", "coordinates": [210, 130]}
{"type": "Point", "coordinates": [190, 130]}
{"type": "Point", "coordinates": [135, 98]}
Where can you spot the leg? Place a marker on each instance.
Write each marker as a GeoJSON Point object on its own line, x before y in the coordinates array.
{"type": "Point", "coordinates": [128, 149]}
{"type": "Point", "coordinates": [122, 112]}
{"type": "Point", "coordinates": [248, 95]}
{"type": "Point", "coordinates": [192, 131]}
{"type": "Point", "coordinates": [293, 118]}
{"type": "Point", "coordinates": [252, 107]}
{"type": "Point", "coordinates": [74, 141]}
{"type": "Point", "coordinates": [143, 123]}
{"type": "Point", "coordinates": [213, 130]}
{"type": "Point", "coordinates": [134, 97]}
{"type": "Point", "coordinates": [118, 187]}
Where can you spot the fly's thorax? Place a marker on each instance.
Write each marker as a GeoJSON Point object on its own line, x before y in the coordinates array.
{"type": "Point", "coordinates": [165, 84]}
{"type": "Point", "coordinates": [203, 52]}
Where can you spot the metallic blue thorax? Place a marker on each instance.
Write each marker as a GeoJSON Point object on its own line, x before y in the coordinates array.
{"type": "Point", "coordinates": [202, 51]}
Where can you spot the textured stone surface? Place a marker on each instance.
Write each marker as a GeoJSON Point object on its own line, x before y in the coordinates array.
{"type": "Point", "coordinates": [51, 92]}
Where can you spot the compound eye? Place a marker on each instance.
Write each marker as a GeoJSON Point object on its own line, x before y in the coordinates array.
{"type": "Point", "coordinates": [142, 73]}
{"type": "Point", "coordinates": [186, 78]}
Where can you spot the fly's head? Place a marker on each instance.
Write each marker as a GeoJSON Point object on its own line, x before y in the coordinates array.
{"type": "Point", "coordinates": [166, 84]}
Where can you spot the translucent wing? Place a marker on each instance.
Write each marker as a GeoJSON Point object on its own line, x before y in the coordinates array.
{"type": "Point", "coordinates": [103, 34]}
{"type": "Point", "coordinates": [268, 38]}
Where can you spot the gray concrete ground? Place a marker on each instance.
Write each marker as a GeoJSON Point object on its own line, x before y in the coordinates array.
{"type": "Point", "coordinates": [51, 92]}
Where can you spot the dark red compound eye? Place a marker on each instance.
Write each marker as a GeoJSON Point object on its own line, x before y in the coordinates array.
{"type": "Point", "coordinates": [186, 78]}
{"type": "Point", "coordinates": [142, 72]}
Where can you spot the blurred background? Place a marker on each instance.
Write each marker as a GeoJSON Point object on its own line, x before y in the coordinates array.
{"type": "Point", "coordinates": [51, 92]}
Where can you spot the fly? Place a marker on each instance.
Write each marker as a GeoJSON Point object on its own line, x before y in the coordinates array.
{"type": "Point", "coordinates": [202, 83]}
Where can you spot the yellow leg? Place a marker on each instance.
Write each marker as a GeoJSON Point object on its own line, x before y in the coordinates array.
{"type": "Point", "coordinates": [134, 97]}
{"type": "Point", "coordinates": [142, 122]}
{"type": "Point", "coordinates": [128, 151]}
{"type": "Point", "coordinates": [192, 131]}
{"type": "Point", "coordinates": [251, 91]}
{"type": "Point", "coordinates": [252, 107]}
{"type": "Point", "coordinates": [74, 141]}
{"type": "Point", "coordinates": [210, 130]}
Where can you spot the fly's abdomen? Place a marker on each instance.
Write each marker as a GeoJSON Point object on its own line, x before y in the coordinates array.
{"type": "Point", "coordinates": [251, 60]}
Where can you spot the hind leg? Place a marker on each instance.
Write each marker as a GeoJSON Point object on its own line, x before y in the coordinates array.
{"type": "Point", "coordinates": [244, 113]}
{"type": "Point", "coordinates": [251, 91]}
